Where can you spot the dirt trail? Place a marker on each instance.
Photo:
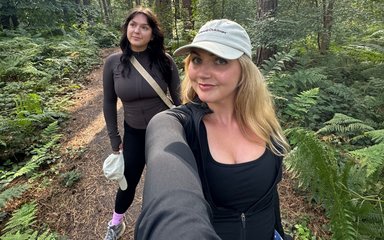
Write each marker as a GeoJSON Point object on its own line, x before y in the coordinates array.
{"type": "Point", "coordinates": [81, 212]}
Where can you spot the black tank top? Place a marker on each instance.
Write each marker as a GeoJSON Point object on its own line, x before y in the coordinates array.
{"type": "Point", "coordinates": [238, 186]}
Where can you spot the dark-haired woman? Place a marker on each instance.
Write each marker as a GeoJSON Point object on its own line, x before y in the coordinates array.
{"type": "Point", "coordinates": [143, 39]}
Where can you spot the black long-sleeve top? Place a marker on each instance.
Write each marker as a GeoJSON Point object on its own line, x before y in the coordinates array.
{"type": "Point", "coordinates": [140, 101]}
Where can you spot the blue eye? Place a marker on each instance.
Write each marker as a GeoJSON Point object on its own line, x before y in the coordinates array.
{"type": "Point", "coordinates": [196, 60]}
{"type": "Point", "coordinates": [221, 61]}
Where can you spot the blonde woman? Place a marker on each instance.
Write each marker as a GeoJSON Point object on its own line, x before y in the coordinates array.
{"type": "Point", "coordinates": [217, 159]}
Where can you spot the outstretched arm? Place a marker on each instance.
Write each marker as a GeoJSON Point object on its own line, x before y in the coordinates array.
{"type": "Point", "coordinates": [173, 203]}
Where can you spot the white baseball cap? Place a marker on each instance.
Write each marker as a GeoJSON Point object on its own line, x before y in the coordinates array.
{"type": "Point", "coordinates": [113, 168]}
{"type": "Point", "coordinates": [222, 37]}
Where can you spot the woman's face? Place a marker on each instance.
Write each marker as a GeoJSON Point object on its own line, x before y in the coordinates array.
{"type": "Point", "coordinates": [213, 78]}
{"type": "Point", "coordinates": [139, 33]}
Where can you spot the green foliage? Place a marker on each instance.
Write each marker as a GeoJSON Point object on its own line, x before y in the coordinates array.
{"type": "Point", "coordinates": [37, 76]}
{"type": "Point", "coordinates": [376, 135]}
{"type": "Point", "coordinates": [11, 193]}
{"type": "Point", "coordinates": [370, 49]}
{"type": "Point", "coordinates": [298, 96]}
{"type": "Point", "coordinates": [303, 233]}
{"type": "Point", "coordinates": [20, 225]}
{"type": "Point", "coordinates": [276, 63]}
{"type": "Point", "coordinates": [43, 153]}
{"type": "Point", "coordinates": [104, 36]}
{"type": "Point", "coordinates": [348, 185]}
{"type": "Point", "coordinates": [301, 104]}
{"type": "Point", "coordinates": [320, 174]}
{"type": "Point", "coordinates": [345, 125]}
{"type": "Point", "coordinates": [21, 219]}
{"type": "Point", "coordinates": [372, 158]}
{"type": "Point", "coordinates": [234, 10]}
{"type": "Point", "coordinates": [70, 178]}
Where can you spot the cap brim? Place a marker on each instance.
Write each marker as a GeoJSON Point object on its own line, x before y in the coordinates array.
{"type": "Point", "coordinates": [123, 184]}
{"type": "Point", "coordinates": [213, 47]}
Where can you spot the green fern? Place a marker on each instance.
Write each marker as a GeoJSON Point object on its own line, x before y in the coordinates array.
{"type": "Point", "coordinates": [377, 136]}
{"type": "Point", "coordinates": [20, 225]}
{"type": "Point", "coordinates": [13, 192]}
{"type": "Point", "coordinates": [42, 153]}
{"type": "Point", "coordinates": [369, 216]}
{"type": "Point", "coordinates": [301, 104]}
{"type": "Point", "coordinates": [30, 104]}
{"type": "Point", "coordinates": [276, 63]}
{"type": "Point", "coordinates": [373, 159]}
{"type": "Point", "coordinates": [307, 78]}
{"type": "Point", "coordinates": [21, 219]}
{"type": "Point", "coordinates": [317, 169]}
{"type": "Point", "coordinates": [344, 125]}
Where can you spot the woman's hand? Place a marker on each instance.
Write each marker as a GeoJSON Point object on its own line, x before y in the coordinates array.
{"type": "Point", "coordinates": [120, 149]}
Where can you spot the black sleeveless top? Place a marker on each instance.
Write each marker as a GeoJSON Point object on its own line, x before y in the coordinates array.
{"type": "Point", "coordinates": [239, 186]}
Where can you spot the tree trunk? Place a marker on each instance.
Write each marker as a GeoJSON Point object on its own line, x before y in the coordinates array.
{"type": "Point", "coordinates": [8, 15]}
{"type": "Point", "coordinates": [266, 9]}
{"type": "Point", "coordinates": [324, 37]}
{"type": "Point", "coordinates": [187, 15]}
{"type": "Point", "coordinates": [165, 14]}
{"type": "Point", "coordinates": [104, 6]}
{"type": "Point", "coordinates": [109, 8]}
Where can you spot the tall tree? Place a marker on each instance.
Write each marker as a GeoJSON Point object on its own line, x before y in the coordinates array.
{"type": "Point", "coordinates": [324, 36]}
{"type": "Point", "coordinates": [164, 10]}
{"type": "Point", "coordinates": [8, 14]}
{"type": "Point", "coordinates": [187, 13]}
{"type": "Point", "coordinates": [105, 10]}
{"type": "Point", "coordinates": [265, 9]}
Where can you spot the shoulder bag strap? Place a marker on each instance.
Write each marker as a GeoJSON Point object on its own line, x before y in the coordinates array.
{"type": "Point", "coordinates": [151, 81]}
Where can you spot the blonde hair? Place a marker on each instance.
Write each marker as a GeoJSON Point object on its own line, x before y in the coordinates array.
{"type": "Point", "coordinates": [254, 107]}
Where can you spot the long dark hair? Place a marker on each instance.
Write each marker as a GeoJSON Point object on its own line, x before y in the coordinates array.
{"type": "Point", "coordinates": [155, 46]}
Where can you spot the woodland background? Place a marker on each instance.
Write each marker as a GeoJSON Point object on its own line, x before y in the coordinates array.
{"type": "Point", "coordinates": [323, 60]}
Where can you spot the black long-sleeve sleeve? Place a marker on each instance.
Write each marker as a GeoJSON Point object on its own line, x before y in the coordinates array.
{"type": "Point", "coordinates": [173, 202]}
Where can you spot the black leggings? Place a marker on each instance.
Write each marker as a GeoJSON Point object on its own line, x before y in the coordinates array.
{"type": "Point", "coordinates": [134, 159]}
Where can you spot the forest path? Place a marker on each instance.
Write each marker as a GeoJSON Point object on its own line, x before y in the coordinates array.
{"type": "Point", "coordinates": [81, 212]}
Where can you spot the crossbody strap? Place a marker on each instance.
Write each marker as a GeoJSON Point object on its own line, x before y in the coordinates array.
{"type": "Point", "coordinates": [151, 82]}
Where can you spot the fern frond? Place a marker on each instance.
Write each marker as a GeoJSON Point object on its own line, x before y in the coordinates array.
{"type": "Point", "coordinates": [51, 130]}
{"type": "Point", "coordinates": [276, 63]}
{"type": "Point", "coordinates": [47, 235]}
{"type": "Point", "coordinates": [13, 192]}
{"type": "Point", "coordinates": [27, 168]}
{"type": "Point", "coordinates": [19, 225]}
{"type": "Point", "coordinates": [317, 167]}
{"type": "Point", "coordinates": [19, 236]}
{"type": "Point", "coordinates": [343, 229]}
{"type": "Point", "coordinates": [372, 158]}
{"type": "Point", "coordinates": [308, 78]}
{"type": "Point", "coordinates": [370, 220]}
{"type": "Point", "coordinates": [21, 219]}
{"type": "Point", "coordinates": [339, 90]}
{"type": "Point", "coordinates": [377, 136]}
{"type": "Point", "coordinates": [319, 161]}
{"type": "Point", "coordinates": [31, 103]}
{"type": "Point", "coordinates": [41, 154]}
{"type": "Point", "coordinates": [302, 103]}
{"type": "Point", "coordinates": [344, 124]}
